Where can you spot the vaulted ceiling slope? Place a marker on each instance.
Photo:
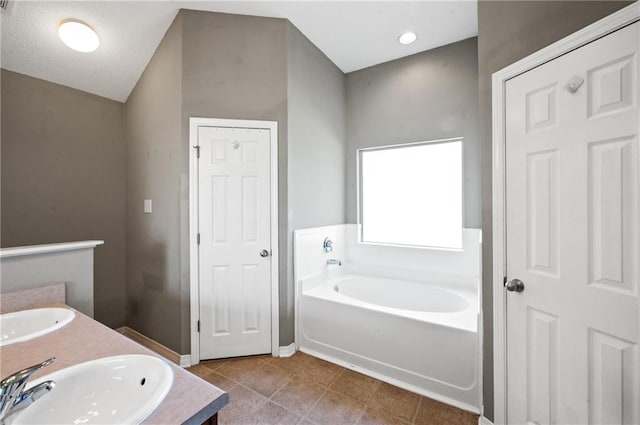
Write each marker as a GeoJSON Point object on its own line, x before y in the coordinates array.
{"type": "Point", "coordinates": [353, 34]}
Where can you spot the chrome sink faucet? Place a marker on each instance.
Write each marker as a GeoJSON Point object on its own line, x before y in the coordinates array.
{"type": "Point", "coordinates": [333, 261]}
{"type": "Point", "coordinates": [14, 397]}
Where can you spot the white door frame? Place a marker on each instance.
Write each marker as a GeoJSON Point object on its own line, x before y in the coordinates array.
{"type": "Point", "coordinates": [194, 123]}
{"type": "Point", "coordinates": [605, 26]}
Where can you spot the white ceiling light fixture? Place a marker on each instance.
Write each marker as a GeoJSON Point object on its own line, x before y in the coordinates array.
{"type": "Point", "coordinates": [407, 38]}
{"type": "Point", "coordinates": [78, 36]}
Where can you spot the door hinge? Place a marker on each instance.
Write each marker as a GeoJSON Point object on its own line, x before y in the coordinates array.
{"type": "Point", "coordinates": [198, 238]}
{"type": "Point", "coordinates": [198, 326]}
{"type": "Point", "coordinates": [197, 148]}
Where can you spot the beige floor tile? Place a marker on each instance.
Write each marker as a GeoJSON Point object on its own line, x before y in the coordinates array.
{"type": "Point", "coordinates": [395, 401]}
{"type": "Point", "coordinates": [356, 385]}
{"type": "Point", "coordinates": [213, 364]}
{"type": "Point", "coordinates": [267, 379]}
{"type": "Point", "coordinates": [433, 412]}
{"type": "Point", "coordinates": [219, 381]}
{"type": "Point", "coordinates": [299, 395]}
{"type": "Point", "coordinates": [322, 372]}
{"type": "Point", "coordinates": [199, 370]}
{"type": "Point", "coordinates": [239, 369]}
{"type": "Point", "coordinates": [297, 386]}
{"type": "Point", "coordinates": [377, 417]}
{"type": "Point", "coordinates": [336, 409]}
{"type": "Point", "coordinates": [243, 403]}
{"type": "Point", "coordinates": [270, 414]}
{"type": "Point", "coordinates": [294, 364]}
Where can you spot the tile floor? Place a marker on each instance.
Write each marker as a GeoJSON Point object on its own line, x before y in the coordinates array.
{"type": "Point", "coordinates": [306, 390]}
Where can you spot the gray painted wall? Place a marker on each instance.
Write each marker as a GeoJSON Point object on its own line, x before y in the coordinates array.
{"type": "Point", "coordinates": [426, 96]}
{"type": "Point", "coordinates": [507, 32]}
{"type": "Point", "coordinates": [236, 67]}
{"type": "Point", "coordinates": [63, 179]}
{"type": "Point", "coordinates": [225, 66]}
{"type": "Point", "coordinates": [157, 273]}
{"type": "Point", "coordinates": [317, 147]}
{"type": "Point", "coordinates": [208, 65]}
{"type": "Point", "coordinates": [73, 268]}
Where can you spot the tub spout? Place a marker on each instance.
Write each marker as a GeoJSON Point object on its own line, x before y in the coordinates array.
{"type": "Point", "coordinates": [332, 261]}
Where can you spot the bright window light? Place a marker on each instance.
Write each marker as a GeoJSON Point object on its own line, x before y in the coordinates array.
{"type": "Point", "coordinates": [412, 194]}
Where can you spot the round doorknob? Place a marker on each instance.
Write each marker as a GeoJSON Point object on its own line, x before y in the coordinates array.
{"type": "Point", "coordinates": [515, 285]}
{"type": "Point", "coordinates": [264, 253]}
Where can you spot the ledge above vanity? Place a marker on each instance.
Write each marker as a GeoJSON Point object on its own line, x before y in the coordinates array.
{"type": "Point", "coordinates": [47, 248]}
{"type": "Point", "coordinates": [35, 266]}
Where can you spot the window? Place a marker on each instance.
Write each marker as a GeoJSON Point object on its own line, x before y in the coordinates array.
{"type": "Point", "coordinates": [412, 194]}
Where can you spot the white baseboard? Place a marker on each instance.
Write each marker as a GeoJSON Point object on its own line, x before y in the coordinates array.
{"type": "Point", "coordinates": [484, 421]}
{"type": "Point", "coordinates": [182, 360]}
{"type": "Point", "coordinates": [287, 351]}
{"type": "Point", "coordinates": [185, 360]}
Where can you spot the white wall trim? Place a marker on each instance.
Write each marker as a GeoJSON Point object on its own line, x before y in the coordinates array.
{"type": "Point", "coordinates": [594, 31]}
{"type": "Point", "coordinates": [47, 248]}
{"type": "Point", "coordinates": [272, 126]}
{"type": "Point", "coordinates": [185, 360]}
{"type": "Point", "coordinates": [288, 350]}
{"type": "Point", "coordinates": [484, 421]}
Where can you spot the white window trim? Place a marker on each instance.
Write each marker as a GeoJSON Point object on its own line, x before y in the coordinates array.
{"type": "Point", "coordinates": [359, 191]}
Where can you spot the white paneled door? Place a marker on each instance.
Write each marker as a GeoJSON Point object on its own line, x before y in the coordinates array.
{"type": "Point", "coordinates": [234, 219]}
{"type": "Point", "coordinates": [572, 185]}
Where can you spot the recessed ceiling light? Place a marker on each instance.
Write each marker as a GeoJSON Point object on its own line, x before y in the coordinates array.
{"type": "Point", "coordinates": [407, 38]}
{"type": "Point", "coordinates": [78, 35]}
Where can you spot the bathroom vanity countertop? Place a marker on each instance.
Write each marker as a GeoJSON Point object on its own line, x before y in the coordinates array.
{"type": "Point", "coordinates": [190, 400]}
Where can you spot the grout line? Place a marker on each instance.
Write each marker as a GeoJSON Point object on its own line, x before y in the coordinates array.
{"type": "Point", "coordinates": [213, 369]}
{"type": "Point", "coordinates": [251, 374]}
{"type": "Point", "coordinates": [252, 390]}
{"type": "Point", "coordinates": [415, 415]}
{"type": "Point", "coordinates": [373, 392]}
{"type": "Point", "coordinates": [284, 384]}
{"type": "Point", "coordinates": [287, 409]}
{"type": "Point", "coordinates": [336, 378]}
{"type": "Point", "coordinates": [238, 380]}
{"type": "Point", "coordinates": [313, 406]}
{"type": "Point", "coordinates": [280, 389]}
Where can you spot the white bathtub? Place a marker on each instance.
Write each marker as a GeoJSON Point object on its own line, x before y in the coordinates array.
{"type": "Point", "coordinates": [420, 336]}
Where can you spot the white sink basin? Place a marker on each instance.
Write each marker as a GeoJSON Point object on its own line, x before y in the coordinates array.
{"type": "Point", "coordinates": [28, 324]}
{"type": "Point", "coordinates": [112, 390]}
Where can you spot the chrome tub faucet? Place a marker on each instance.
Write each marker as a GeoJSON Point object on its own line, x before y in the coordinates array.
{"type": "Point", "coordinates": [14, 397]}
{"type": "Point", "coordinates": [332, 261]}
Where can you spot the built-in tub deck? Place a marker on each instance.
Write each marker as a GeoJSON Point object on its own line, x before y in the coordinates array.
{"type": "Point", "coordinates": [430, 346]}
{"type": "Point", "coordinates": [434, 303]}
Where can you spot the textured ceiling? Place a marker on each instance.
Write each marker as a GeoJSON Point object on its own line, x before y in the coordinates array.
{"type": "Point", "coordinates": [354, 35]}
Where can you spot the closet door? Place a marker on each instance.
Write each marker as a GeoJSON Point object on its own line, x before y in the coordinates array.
{"type": "Point", "coordinates": [572, 184]}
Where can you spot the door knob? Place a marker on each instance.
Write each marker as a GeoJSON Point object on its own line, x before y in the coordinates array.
{"type": "Point", "coordinates": [515, 285]}
{"type": "Point", "coordinates": [264, 253]}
